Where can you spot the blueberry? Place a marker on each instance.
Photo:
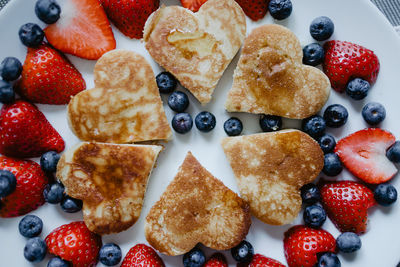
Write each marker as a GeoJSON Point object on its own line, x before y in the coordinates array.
{"type": "Point", "coordinates": [8, 183]}
{"type": "Point", "coordinates": [178, 101]}
{"type": "Point", "coordinates": [70, 204]}
{"type": "Point", "coordinates": [182, 123]}
{"type": "Point", "coordinates": [313, 54]}
{"type": "Point", "coordinates": [30, 226]}
{"type": "Point", "coordinates": [373, 113]}
{"type": "Point", "coordinates": [110, 254]}
{"type": "Point", "coordinates": [57, 262]}
{"type": "Point", "coordinates": [10, 68]}
{"type": "Point", "coordinates": [31, 34]}
{"type": "Point", "coordinates": [47, 11]}
{"type": "Point", "coordinates": [327, 143]}
{"type": "Point", "coordinates": [310, 194]}
{"type": "Point", "coordinates": [335, 116]}
{"type": "Point", "coordinates": [194, 258]}
{"type": "Point", "coordinates": [393, 153]}
{"type": "Point", "coordinates": [49, 160]}
{"type": "Point", "coordinates": [205, 121]}
{"type": "Point", "coordinates": [35, 249]}
{"type": "Point", "coordinates": [53, 193]}
{"type": "Point", "coordinates": [358, 89]}
{"type": "Point", "coordinates": [166, 82]}
{"type": "Point", "coordinates": [321, 28]}
{"type": "Point", "coordinates": [7, 94]}
{"type": "Point", "coordinates": [328, 259]}
{"type": "Point", "coordinates": [385, 194]}
{"type": "Point", "coordinates": [314, 126]}
{"type": "Point", "coordinates": [233, 127]}
{"type": "Point", "coordinates": [280, 9]}
{"type": "Point", "coordinates": [270, 123]}
{"type": "Point", "coordinates": [314, 216]}
{"type": "Point", "coordinates": [348, 242]}
{"type": "Point", "coordinates": [332, 164]}
{"type": "Point", "coordinates": [243, 252]}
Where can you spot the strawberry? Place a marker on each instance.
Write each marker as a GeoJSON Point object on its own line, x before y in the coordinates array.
{"type": "Point", "coordinates": [75, 243]}
{"type": "Point", "coordinates": [346, 203]}
{"type": "Point", "coordinates": [28, 194]}
{"type": "Point", "coordinates": [216, 260]}
{"type": "Point", "coordinates": [25, 131]}
{"type": "Point", "coordinates": [254, 9]}
{"type": "Point", "coordinates": [83, 29]}
{"type": "Point", "coordinates": [142, 255]}
{"type": "Point", "coordinates": [261, 261]}
{"type": "Point", "coordinates": [302, 243]}
{"type": "Point", "coordinates": [345, 61]}
{"type": "Point", "coordinates": [193, 5]}
{"type": "Point", "coordinates": [48, 77]}
{"type": "Point", "coordinates": [129, 16]}
{"type": "Point", "coordinates": [364, 155]}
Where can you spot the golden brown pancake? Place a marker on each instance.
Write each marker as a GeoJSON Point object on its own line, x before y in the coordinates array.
{"type": "Point", "coordinates": [271, 79]}
{"type": "Point", "coordinates": [270, 168]}
{"type": "Point", "coordinates": [196, 47]}
{"type": "Point", "coordinates": [125, 105]}
{"type": "Point", "coordinates": [111, 180]}
{"type": "Point", "coordinates": [196, 208]}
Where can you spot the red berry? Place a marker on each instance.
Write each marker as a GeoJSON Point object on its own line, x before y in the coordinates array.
{"type": "Point", "coordinates": [75, 243]}
{"type": "Point", "coordinates": [28, 194]}
{"type": "Point", "coordinates": [254, 9]}
{"type": "Point", "coordinates": [142, 255]}
{"type": "Point", "coordinates": [261, 261]}
{"type": "Point", "coordinates": [216, 260]}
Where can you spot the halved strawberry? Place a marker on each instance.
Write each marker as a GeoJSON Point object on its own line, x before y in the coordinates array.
{"type": "Point", "coordinates": [364, 155]}
{"type": "Point", "coordinates": [347, 204]}
{"type": "Point", "coordinates": [254, 9]}
{"type": "Point", "coordinates": [83, 29]}
{"type": "Point", "coordinates": [193, 5]}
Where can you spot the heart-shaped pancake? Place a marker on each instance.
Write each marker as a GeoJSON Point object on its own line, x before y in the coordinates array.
{"type": "Point", "coordinates": [196, 47]}
{"type": "Point", "coordinates": [125, 105]}
{"type": "Point", "coordinates": [270, 168]}
{"type": "Point", "coordinates": [196, 208]}
{"type": "Point", "coordinates": [111, 181]}
{"type": "Point", "coordinates": [271, 79]}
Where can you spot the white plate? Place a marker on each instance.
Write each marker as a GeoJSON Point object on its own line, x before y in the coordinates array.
{"type": "Point", "coordinates": [357, 21]}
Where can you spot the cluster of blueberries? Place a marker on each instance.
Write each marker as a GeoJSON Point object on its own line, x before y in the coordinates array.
{"type": "Point", "coordinates": [31, 35]}
{"type": "Point", "coordinates": [35, 249]}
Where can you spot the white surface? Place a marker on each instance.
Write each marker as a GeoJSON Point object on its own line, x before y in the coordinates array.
{"type": "Point", "coordinates": [357, 21]}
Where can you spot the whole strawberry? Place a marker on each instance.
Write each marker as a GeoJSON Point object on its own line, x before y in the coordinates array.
{"type": "Point", "coordinates": [345, 61]}
{"type": "Point", "coordinates": [254, 9]}
{"type": "Point", "coordinates": [262, 261]}
{"type": "Point", "coordinates": [364, 155]}
{"type": "Point", "coordinates": [48, 77]}
{"type": "Point", "coordinates": [129, 16]}
{"type": "Point", "coordinates": [75, 243]}
{"type": "Point", "coordinates": [142, 255]}
{"type": "Point", "coordinates": [301, 245]}
{"type": "Point", "coordinates": [193, 5]}
{"type": "Point", "coordinates": [25, 131]}
{"type": "Point", "coordinates": [347, 203]}
{"type": "Point", "coordinates": [216, 260]}
{"type": "Point", "coordinates": [28, 194]}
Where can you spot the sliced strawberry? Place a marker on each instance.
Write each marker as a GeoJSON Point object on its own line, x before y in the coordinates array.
{"type": "Point", "coordinates": [28, 194]}
{"type": "Point", "coordinates": [75, 243]}
{"type": "Point", "coordinates": [301, 245]}
{"type": "Point", "coordinates": [142, 255]}
{"type": "Point", "coordinates": [48, 77]}
{"type": "Point", "coordinates": [25, 131]}
{"type": "Point", "coordinates": [83, 29]}
{"type": "Point", "coordinates": [364, 155]}
{"type": "Point", "coordinates": [129, 16]}
{"type": "Point", "coordinates": [345, 61]}
{"type": "Point", "coordinates": [347, 203]}
{"type": "Point", "coordinates": [193, 5]}
{"type": "Point", "coordinates": [254, 9]}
